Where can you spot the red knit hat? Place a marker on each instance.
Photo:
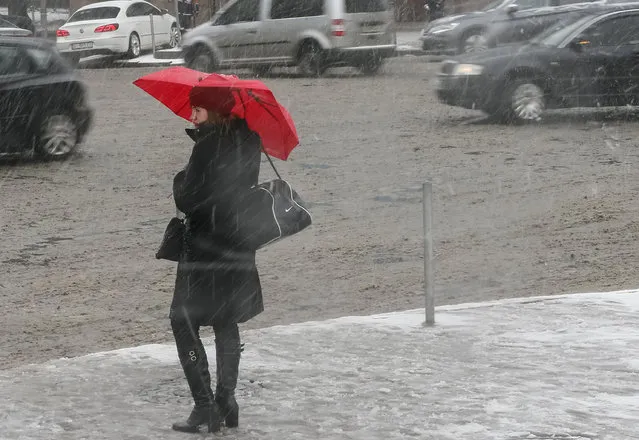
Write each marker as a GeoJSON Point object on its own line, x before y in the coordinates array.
{"type": "Point", "coordinates": [218, 100]}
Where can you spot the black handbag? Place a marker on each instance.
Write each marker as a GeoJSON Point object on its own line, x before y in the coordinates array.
{"type": "Point", "coordinates": [173, 241]}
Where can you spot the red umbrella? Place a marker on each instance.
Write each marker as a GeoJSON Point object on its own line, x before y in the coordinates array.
{"type": "Point", "coordinates": [254, 102]}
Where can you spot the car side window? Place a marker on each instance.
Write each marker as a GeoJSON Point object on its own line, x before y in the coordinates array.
{"type": "Point", "coordinates": [135, 10]}
{"type": "Point", "coordinates": [43, 60]}
{"type": "Point", "coordinates": [296, 8]}
{"type": "Point", "coordinates": [150, 9]}
{"type": "Point", "coordinates": [13, 62]}
{"type": "Point", "coordinates": [618, 31]}
{"type": "Point", "coordinates": [241, 11]}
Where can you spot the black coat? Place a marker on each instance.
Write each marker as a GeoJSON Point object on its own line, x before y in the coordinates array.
{"type": "Point", "coordinates": [217, 279]}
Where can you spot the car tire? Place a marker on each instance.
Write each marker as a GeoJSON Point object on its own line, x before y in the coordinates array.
{"type": "Point", "coordinates": [371, 65]}
{"type": "Point", "coordinates": [58, 136]}
{"type": "Point", "coordinates": [134, 46]}
{"type": "Point", "coordinates": [174, 37]}
{"type": "Point", "coordinates": [473, 41]}
{"type": "Point", "coordinates": [523, 100]}
{"type": "Point", "coordinates": [310, 62]}
{"type": "Point", "coordinates": [201, 59]}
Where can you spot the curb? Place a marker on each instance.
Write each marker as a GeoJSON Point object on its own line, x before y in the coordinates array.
{"type": "Point", "coordinates": [416, 52]}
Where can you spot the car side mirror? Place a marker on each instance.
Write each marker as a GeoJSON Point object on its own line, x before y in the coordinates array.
{"type": "Point", "coordinates": [512, 8]}
{"type": "Point", "coordinates": [165, 11]}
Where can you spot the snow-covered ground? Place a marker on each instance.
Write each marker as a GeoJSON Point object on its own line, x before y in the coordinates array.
{"type": "Point", "coordinates": [536, 368]}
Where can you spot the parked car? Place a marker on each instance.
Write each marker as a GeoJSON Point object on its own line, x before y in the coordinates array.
{"type": "Point", "coordinates": [43, 106]}
{"type": "Point", "coordinates": [467, 32]}
{"type": "Point", "coordinates": [20, 22]}
{"type": "Point", "coordinates": [9, 29]}
{"type": "Point", "coordinates": [311, 34]}
{"type": "Point", "coordinates": [591, 61]}
{"type": "Point", "coordinates": [115, 28]}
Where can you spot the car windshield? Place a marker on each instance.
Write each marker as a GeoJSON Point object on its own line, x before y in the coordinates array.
{"type": "Point", "coordinates": [554, 35]}
{"type": "Point", "coordinates": [95, 14]}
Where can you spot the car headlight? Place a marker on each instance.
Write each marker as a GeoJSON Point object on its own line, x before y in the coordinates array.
{"type": "Point", "coordinates": [443, 28]}
{"type": "Point", "coordinates": [467, 69]}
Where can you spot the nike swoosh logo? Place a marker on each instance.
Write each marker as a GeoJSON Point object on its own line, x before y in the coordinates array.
{"type": "Point", "coordinates": [287, 210]}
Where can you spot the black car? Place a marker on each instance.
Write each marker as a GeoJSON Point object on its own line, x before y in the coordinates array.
{"type": "Point", "coordinates": [466, 33]}
{"type": "Point", "coordinates": [591, 61]}
{"type": "Point", "coordinates": [43, 108]}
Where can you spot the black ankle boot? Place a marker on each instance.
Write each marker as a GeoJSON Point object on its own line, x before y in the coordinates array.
{"type": "Point", "coordinates": [201, 415]}
{"type": "Point", "coordinates": [229, 409]}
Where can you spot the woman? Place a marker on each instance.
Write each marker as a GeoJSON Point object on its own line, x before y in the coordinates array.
{"type": "Point", "coordinates": [217, 282]}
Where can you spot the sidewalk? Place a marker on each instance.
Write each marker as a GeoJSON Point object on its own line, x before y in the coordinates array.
{"type": "Point", "coordinates": [564, 367]}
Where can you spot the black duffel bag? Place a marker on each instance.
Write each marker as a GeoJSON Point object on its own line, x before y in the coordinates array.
{"type": "Point", "coordinates": [269, 212]}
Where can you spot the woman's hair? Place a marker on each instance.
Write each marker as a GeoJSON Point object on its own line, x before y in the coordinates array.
{"type": "Point", "coordinates": [220, 101]}
{"type": "Point", "coordinates": [216, 118]}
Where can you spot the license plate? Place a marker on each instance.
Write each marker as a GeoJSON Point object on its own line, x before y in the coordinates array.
{"type": "Point", "coordinates": [76, 46]}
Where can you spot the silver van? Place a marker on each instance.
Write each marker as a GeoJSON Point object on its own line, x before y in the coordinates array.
{"type": "Point", "coordinates": [310, 34]}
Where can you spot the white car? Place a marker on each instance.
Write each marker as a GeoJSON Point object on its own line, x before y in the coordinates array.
{"type": "Point", "coordinates": [115, 27]}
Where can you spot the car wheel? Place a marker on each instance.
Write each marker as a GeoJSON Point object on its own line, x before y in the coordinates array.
{"type": "Point", "coordinates": [311, 60]}
{"type": "Point", "coordinates": [58, 136]}
{"type": "Point", "coordinates": [371, 65]}
{"type": "Point", "coordinates": [475, 41]}
{"type": "Point", "coordinates": [134, 46]}
{"type": "Point", "coordinates": [524, 101]}
{"type": "Point", "coordinates": [201, 59]}
{"type": "Point", "coordinates": [174, 39]}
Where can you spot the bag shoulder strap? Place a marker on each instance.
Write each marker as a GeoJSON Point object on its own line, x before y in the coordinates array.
{"type": "Point", "coordinates": [270, 161]}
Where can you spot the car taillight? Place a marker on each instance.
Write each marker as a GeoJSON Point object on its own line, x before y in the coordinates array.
{"type": "Point", "coordinates": [107, 28]}
{"type": "Point", "coordinates": [337, 27]}
{"type": "Point", "coordinates": [62, 33]}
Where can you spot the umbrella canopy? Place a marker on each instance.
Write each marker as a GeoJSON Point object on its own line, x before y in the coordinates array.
{"type": "Point", "coordinates": [252, 101]}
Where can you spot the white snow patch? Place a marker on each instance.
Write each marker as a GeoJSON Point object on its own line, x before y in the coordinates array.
{"type": "Point", "coordinates": [528, 368]}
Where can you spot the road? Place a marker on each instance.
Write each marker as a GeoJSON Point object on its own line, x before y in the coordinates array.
{"type": "Point", "coordinates": [518, 210]}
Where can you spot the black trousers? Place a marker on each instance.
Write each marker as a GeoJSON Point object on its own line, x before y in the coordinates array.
{"type": "Point", "coordinates": [192, 355]}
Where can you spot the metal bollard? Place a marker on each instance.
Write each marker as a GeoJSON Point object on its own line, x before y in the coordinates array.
{"type": "Point", "coordinates": [152, 34]}
{"type": "Point", "coordinates": [427, 190]}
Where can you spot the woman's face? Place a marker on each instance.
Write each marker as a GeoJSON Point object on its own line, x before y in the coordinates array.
{"type": "Point", "coordinates": [199, 115]}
